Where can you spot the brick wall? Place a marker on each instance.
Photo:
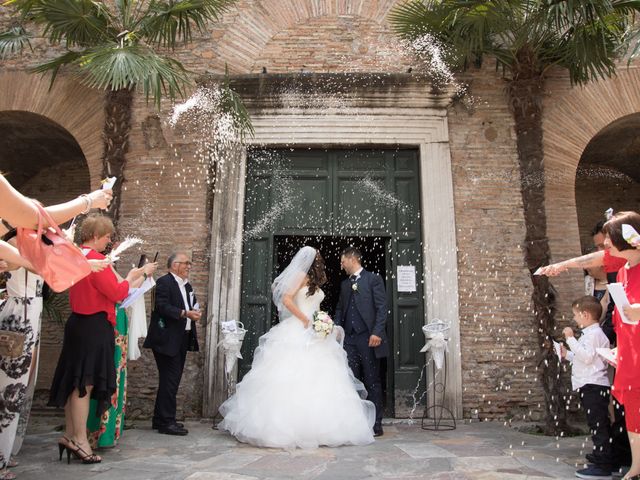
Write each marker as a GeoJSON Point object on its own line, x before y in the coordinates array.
{"type": "Point", "coordinates": [596, 193]}
{"type": "Point", "coordinates": [165, 197]}
{"type": "Point", "coordinates": [496, 327]}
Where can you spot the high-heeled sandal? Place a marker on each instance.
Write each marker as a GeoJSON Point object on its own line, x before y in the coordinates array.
{"type": "Point", "coordinates": [7, 475]}
{"type": "Point", "coordinates": [62, 447]}
{"type": "Point", "coordinates": [80, 454]}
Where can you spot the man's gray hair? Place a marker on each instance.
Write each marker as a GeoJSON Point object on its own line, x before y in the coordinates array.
{"type": "Point", "coordinates": [172, 257]}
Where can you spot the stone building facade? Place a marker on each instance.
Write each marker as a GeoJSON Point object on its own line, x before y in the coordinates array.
{"type": "Point", "coordinates": [471, 209]}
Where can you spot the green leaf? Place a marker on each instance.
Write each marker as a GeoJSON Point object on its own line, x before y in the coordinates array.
{"type": "Point", "coordinates": [112, 67]}
{"type": "Point", "coordinates": [166, 23]}
{"type": "Point", "coordinates": [14, 41]}
{"type": "Point", "coordinates": [53, 66]}
{"type": "Point", "coordinates": [231, 103]}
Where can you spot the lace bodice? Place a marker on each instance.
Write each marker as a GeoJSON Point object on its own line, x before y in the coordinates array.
{"type": "Point", "coordinates": [308, 305]}
{"type": "Point", "coordinates": [15, 284]}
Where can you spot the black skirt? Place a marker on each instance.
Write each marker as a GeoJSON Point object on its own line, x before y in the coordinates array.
{"type": "Point", "coordinates": [86, 359]}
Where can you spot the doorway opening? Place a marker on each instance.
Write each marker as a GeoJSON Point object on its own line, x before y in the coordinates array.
{"type": "Point", "coordinates": [375, 258]}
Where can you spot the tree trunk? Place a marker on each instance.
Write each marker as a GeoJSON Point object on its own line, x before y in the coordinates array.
{"type": "Point", "coordinates": [525, 95]}
{"type": "Point", "coordinates": [117, 126]}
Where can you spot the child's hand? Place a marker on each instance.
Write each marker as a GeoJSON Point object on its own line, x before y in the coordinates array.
{"type": "Point", "coordinates": [568, 332]}
{"type": "Point", "coordinates": [632, 312]}
{"type": "Point", "coordinates": [563, 351]}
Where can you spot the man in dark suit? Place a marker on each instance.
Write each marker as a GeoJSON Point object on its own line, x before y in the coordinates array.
{"type": "Point", "coordinates": [362, 312]}
{"type": "Point", "coordinates": [172, 332]}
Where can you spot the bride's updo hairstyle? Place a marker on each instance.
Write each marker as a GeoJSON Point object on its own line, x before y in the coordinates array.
{"type": "Point", "coordinates": [317, 275]}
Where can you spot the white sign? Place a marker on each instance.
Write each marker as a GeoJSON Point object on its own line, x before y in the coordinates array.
{"type": "Point", "coordinates": [406, 278]}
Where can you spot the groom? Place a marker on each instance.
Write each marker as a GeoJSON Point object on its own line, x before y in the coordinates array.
{"type": "Point", "coordinates": [362, 312]}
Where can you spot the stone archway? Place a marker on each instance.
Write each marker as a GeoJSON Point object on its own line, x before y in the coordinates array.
{"type": "Point", "coordinates": [288, 29]}
{"type": "Point", "coordinates": [50, 149]}
{"type": "Point", "coordinates": [75, 109]}
{"type": "Point", "coordinates": [608, 174]}
{"type": "Point", "coordinates": [572, 118]}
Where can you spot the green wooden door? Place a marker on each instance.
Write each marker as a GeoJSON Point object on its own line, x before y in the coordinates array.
{"type": "Point", "coordinates": [338, 193]}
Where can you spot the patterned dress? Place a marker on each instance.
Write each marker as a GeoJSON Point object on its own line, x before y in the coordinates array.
{"type": "Point", "coordinates": [17, 375]}
{"type": "Point", "coordinates": [106, 430]}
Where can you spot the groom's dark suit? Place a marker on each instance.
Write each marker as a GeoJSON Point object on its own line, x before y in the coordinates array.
{"type": "Point", "coordinates": [362, 312]}
{"type": "Point", "coordinates": [170, 341]}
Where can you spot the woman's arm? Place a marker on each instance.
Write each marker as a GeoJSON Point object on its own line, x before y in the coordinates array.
{"type": "Point", "coordinates": [287, 301]}
{"type": "Point", "coordinates": [138, 274]}
{"type": "Point", "coordinates": [591, 260]}
{"type": "Point", "coordinates": [20, 211]}
{"type": "Point", "coordinates": [10, 254]}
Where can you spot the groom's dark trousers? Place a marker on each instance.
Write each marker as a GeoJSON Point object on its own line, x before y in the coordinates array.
{"type": "Point", "coordinates": [362, 359]}
{"type": "Point", "coordinates": [362, 312]}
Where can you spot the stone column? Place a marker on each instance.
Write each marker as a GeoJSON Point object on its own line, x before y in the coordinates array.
{"type": "Point", "coordinates": [224, 269]}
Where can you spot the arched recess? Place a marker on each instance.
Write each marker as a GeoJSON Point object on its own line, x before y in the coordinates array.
{"type": "Point", "coordinates": [74, 108]}
{"type": "Point", "coordinates": [571, 119]}
{"type": "Point", "coordinates": [241, 38]}
{"type": "Point", "coordinates": [43, 160]}
{"type": "Point", "coordinates": [608, 175]}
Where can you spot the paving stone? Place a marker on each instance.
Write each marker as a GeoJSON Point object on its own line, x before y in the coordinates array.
{"type": "Point", "coordinates": [477, 451]}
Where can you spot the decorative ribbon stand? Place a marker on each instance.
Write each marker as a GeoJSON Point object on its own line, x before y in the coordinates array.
{"type": "Point", "coordinates": [436, 416]}
{"type": "Point", "coordinates": [232, 333]}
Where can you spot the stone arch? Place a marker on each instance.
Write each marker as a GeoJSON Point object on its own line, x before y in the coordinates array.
{"type": "Point", "coordinates": [571, 119]}
{"type": "Point", "coordinates": [242, 38]}
{"type": "Point", "coordinates": [76, 109]}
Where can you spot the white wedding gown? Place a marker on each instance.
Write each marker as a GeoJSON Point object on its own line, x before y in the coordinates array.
{"type": "Point", "coordinates": [300, 391]}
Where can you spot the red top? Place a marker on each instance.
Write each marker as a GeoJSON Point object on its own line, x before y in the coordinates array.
{"type": "Point", "coordinates": [98, 291]}
{"type": "Point", "coordinates": [627, 377]}
{"type": "Point", "coordinates": [611, 263]}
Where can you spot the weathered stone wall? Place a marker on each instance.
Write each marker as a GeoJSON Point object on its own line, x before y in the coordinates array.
{"type": "Point", "coordinates": [595, 194]}
{"type": "Point", "coordinates": [497, 334]}
{"type": "Point", "coordinates": [165, 196]}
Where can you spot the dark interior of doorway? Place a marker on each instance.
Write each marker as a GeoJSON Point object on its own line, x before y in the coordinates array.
{"type": "Point", "coordinates": [374, 259]}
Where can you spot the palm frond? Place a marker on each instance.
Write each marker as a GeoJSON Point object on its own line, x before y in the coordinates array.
{"type": "Point", "coordinates": [14, 41]}
{"type": "Point", "coordinates": [75, 22]}
{"type": "Point", "coordinates": [231, 104]}
{"type": "Point", "coordinates": [53, 66]}
{"type": "Point", "coordinates": [113, 67]}
{"type": "Point", "coordinates": [166, 23]}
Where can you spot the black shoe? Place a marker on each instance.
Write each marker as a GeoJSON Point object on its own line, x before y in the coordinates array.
{"type": "Point", "coordinates": [155, 426]}
{"type": "Point", "coordinates": [377, 431]}
{"type": "Point", "coordinates": [595, 472]}
{"type": "Point", "coordinates": [173, 430]}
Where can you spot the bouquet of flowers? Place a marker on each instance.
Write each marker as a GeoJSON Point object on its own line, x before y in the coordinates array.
{"type": "Point", "coordinates": [322, 323]}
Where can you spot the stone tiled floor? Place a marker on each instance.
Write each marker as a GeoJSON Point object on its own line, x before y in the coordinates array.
{"type": "Point", "coordinates": [482, 451]}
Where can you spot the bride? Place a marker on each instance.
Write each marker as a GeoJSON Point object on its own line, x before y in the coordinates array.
{"type": "Point", "coordinates": [300, 391]}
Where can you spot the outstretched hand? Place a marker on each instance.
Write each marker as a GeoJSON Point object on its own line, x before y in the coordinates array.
{"type": "Point", "coordinates": [553, 270]}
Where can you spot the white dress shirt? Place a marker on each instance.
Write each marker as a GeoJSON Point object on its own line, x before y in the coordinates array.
{"type": "Point", "coordinates": [181, 283]}
{"type": "Point", "coordinates": [587, 365]}
{"type": "Point", "coordinates": [357, 274]}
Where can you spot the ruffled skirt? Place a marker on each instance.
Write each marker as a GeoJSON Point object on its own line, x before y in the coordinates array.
{"type": "Point", "coordinates": [300, 393]}
{"type": "Point", "coordinates": [86, 359]}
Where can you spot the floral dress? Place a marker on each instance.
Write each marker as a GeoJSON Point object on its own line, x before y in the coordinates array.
{"type": "Point", "coordinates": [19, 313]}
{"type": "Point", "coordinates": [106, 430]}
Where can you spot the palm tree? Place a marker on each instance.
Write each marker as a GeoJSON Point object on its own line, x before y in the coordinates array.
{"type": "Point", "coordinates": [120, 46]}
{"type": "Point", "coordinates": [528, 37]}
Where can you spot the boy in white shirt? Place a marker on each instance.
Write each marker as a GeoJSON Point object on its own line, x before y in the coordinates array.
{"type": "Point", "coordinates": [590, 379]}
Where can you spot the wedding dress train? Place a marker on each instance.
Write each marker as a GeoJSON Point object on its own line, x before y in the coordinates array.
{"type": "Point", "coordinates": [300, 391]}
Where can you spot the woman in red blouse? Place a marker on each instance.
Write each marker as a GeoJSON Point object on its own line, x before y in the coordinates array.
{"type": "Point", "coordinates": [86, 365]}
{"type": "Point", "coordinates": [626, 384]}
